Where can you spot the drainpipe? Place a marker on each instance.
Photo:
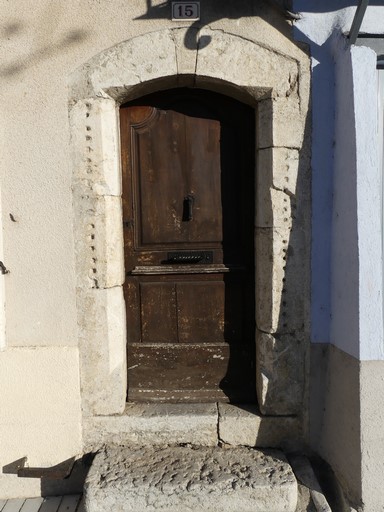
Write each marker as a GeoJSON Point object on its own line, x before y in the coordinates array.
{"type": "Point", "coordinates": [357, 20]}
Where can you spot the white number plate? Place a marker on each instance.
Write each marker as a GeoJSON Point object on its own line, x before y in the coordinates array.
{"type": "Point", "coordinates": [185, 11]}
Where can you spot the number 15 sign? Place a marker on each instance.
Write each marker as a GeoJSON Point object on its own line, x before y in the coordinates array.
{"type": "Point", "coordinates": [185, 11]}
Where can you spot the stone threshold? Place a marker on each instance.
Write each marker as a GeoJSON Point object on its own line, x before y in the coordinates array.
{"type": "Point", "coordinates": [186, 478]}
{"type": "Point", "coordinates": [196, 424]}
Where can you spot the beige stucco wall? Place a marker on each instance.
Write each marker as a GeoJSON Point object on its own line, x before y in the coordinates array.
{"type": "Point", "coordinates": [40, 48]}
{"type": "Point", "coordinates": [39, 404]}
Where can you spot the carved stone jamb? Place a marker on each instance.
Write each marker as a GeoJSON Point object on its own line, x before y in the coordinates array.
{"type": "Point", "coordinates": [277, 85]}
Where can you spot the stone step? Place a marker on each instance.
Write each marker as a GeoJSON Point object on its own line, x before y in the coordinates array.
{"type": "Point", "coordinates": [199, 424]}
{"type": "Point", "coordinates": [190, 479]}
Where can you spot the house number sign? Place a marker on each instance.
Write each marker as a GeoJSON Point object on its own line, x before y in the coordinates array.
{"type": "Point", "coordinates": [185, 11]}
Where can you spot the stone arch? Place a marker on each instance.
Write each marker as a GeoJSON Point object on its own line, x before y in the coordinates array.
{"type": "Point", "coordinates": [277, 85]}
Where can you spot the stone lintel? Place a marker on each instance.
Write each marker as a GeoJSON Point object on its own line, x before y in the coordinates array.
{"type": "Point", "coordinates": [242, 62]}
{"type": "Point", "coordinates": [145, 57]}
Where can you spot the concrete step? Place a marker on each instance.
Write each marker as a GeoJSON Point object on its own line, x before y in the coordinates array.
{"type": "Point", "coordinates": [190, 479]}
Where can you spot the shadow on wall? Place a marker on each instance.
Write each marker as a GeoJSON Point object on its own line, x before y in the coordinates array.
{"type": "Point", "coordinates": [67, 477]}
{"type": "Point", "coordinates": [47, 42]}
{"type": "Point", "coordinates": [73, 484]}
{"type": "Point", "coordinates": [43, 39]}
{"type": "Point", "coordinates": [274, 11]}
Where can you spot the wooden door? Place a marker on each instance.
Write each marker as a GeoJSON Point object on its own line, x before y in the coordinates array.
{"type": "Point", "coordinates": [188, 188]}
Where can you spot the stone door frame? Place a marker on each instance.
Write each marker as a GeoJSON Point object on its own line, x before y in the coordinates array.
{"type": "Point", "coordinates": [277, 86]}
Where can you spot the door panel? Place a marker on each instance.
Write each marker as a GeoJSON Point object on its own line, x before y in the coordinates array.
{"type": "Point", "coordinates": [190, 373]}
{"type": "Point", "coordinates": [158, 313]}
{"type": "Point", "coordinates": [187, 158]}
{"type": "Point", "coordinates": [168, 146]}
{"type": "Point", "coordinates": [201, 311]}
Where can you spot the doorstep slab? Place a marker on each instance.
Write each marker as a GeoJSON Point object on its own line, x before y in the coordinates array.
{"type": "Point", "coordinates": [190, 479]}
{"type": "Point", "coordinates": [154, 424]}
{"type": "Point", "coordinates": [243, 425]}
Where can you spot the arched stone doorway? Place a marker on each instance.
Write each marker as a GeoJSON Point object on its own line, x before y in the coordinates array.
{"type": "Point", "coordinates": [276, 85]}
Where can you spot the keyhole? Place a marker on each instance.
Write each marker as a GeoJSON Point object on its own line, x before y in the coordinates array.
{"type": "Point", "coordinates": [188, 208]}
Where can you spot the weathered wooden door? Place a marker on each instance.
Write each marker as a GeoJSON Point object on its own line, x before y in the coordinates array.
{"type": "Point", "coordinates": [188, 188]}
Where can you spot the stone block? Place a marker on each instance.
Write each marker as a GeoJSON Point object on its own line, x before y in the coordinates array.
{"type": "Point", "coordinates": [271, 249]}
{"type": "Point", "coordinates": [273, 207]}
{"type": "Point", "coordinates": [278, 168]}
{"type": "Point", "coordinates": [186, 42]}
{"type": "Point", "coordinates": [102, 339]}
{"type": "Point", "coordinates": [280, 123]}
{"type": "Point", "coordinates": [96, 146]}
{"type": "Point", "coordinates": [280, 368]}
{"type": "Point", "coordinates": [145, 57]}
{"type": "Point", "coordinates": [110, 245]}
{"type": "Point", "coordinates": [154, 424]}
{"type": "Point", "coordinates": [242, 62]}
{"type": "Point", "coordinates": [282, 284]}
{"type": "Point", "coordinates": [243, 425]}
{"type": "Point", "coordinates": [276, 180]}
{"type": "Point", "coordinates": [190, 479]}
{"type": "Point", "coordinates": [99, 241]}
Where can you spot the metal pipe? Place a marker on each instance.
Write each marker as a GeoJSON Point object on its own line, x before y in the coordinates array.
{"type": "Point", "coordinates": [357, 20]}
